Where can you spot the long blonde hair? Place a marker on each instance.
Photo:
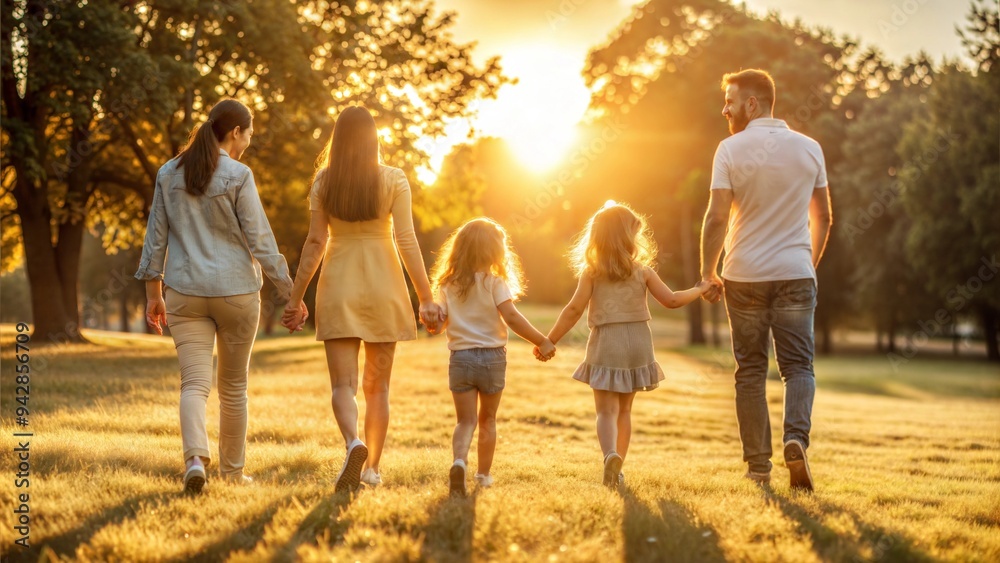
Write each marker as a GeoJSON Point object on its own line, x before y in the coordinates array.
{"type": "Point", "coordinates": [616, 241]}
{"type": "Point", "coordinates": [480, 245]}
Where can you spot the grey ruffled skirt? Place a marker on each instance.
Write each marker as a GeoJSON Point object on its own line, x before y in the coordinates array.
{"type": "Point", "coordinates": [620, 359]}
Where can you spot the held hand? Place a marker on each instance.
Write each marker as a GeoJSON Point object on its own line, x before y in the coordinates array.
{"type": "Point", "coordinates": [156, 312]}
{"type": "Point", "coordinates": [294, 316]}
{"type": "Point", "coordinates": [711, 287]}
{"type": "Point", "coordinates": [545, 352]}
{"type": "Point", "coordinates": [431, 316]}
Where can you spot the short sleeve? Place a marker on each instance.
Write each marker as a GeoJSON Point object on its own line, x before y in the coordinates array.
{"type": "Point", "coordinates": [821, 181]}
{"type": "Point", "coordinates": [501, 292]}
{"type": "Point", "coordinates": [315, 200]}
{"type": "Point", "coordinates": [442, 300]}
{"type": "Point", "coordinates": [720, 169]}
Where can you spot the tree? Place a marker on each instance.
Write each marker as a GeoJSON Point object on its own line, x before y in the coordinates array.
{"type": "Point", "coordinates": [873, 225]}
{"type": "Point", "coordinates": [659, 77]}
{"type": "Point", "coordinates": [82, 148]}
{"type": "Point", "coordinates": [950, 183]}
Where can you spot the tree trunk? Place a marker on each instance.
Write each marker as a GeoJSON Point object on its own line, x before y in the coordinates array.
{"type": "Point", "coordinates": [826, 337]}
{"type": "Point", "coordinates": [955, 339]}
{"type": "Point", "coordinates": [689, 259]}
{"type": "Point", "coordinates": [67, 253]}
{"type": "Point", "coordinates": [53, 323]}
{"type": "Point", "coordinates": [123, 306]}
{"type": "Point", "coordinates": [990, 318]}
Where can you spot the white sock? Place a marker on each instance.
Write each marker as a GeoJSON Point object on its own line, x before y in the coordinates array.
{"type": "Point", "coordinates": [459, 462]}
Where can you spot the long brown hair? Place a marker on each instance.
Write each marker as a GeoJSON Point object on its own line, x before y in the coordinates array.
{"type": "Point", "coordinates": [480, 245]}
{"type": "Point", "coordinates": [201, 154]}
{"type": "Point", "coordinates": [349, 166]}
{"type": "Point", "coordinates": [615, 242]}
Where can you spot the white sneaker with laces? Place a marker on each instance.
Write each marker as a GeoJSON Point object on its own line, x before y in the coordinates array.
{"type": "Point", "coordinates": [484, 481]}
{"type": "Point", "coordinates": [370, 478]}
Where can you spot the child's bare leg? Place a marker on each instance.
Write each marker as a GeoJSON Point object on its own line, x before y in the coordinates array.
{"type": "Point", "coordinates": [607, 405]}
{"type": "Point", "coordinates": [624, 422]}
{"type": "Point", "coordinates": [488, 405]}
{"type": "Point", "coordinates": [465, 409]}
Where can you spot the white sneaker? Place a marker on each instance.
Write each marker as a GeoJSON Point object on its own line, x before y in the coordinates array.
{"type": "Point", "coordinates": [194, 479]}
{"type": "Point", "coordinates": [349, 478]}
{"type": "Point", "coordinates": [370, 478]}
{"type": "Point", "coordinates": [484, 481]}
{"type": "Point", "coordinates": [239, 479]}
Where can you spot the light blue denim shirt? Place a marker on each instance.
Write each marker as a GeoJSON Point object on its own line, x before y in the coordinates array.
{"type": "Point", "coordinates": [218, 242]}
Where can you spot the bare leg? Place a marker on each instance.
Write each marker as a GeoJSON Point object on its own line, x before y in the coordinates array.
{"type": "Point", "coordinates": [465, 410]}
{"type": "Point", "coordinates": [624, 422]}
{"type": "Point", "coordinates": [607, 419]}
{"type": "Point", "coordinates": [378, 369]}
{"type": "Point", "coordinates": [488, 405]}
{"type": "Point", "coordinates": [342, 361]}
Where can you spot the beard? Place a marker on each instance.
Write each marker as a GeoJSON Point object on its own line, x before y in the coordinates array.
{"type": "Point", "coordinates": [738, 121]}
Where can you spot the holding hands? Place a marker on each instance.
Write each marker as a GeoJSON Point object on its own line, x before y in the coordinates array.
{"type": "Point", "coordinates": [294, 316]}
{"type": "Point", "coordinates": [545, 351]}
{"type": "Point", "coordinates": [711, 287]}
{"type": "Point", "coordinates": [432, 316]}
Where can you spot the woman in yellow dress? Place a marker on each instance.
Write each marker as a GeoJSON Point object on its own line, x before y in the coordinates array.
{"type": "Point", "coordinates": [361, 225]}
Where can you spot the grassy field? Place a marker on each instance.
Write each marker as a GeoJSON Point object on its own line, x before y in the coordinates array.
{"type": "Point", "coordinates": [907, 465]}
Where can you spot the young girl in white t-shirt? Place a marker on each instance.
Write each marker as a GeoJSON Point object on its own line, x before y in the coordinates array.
{"type": "Point", "coordinates": [476, 279]}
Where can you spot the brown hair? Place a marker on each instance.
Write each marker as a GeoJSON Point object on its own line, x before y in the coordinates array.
{"type": "Point", "coordinates": [752, 82]}
{"type": "Point", "coordinates": [615, 242]}
{"type": "Point", "coordinates": [348, 168]}
{"type": "Point", "coordinates": [480, 245]}
{"type": "Point", "coordinates": [201, 154]}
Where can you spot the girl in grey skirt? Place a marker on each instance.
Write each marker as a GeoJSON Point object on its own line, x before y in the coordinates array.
{"type": "Point", "coordinates": [612, 261]}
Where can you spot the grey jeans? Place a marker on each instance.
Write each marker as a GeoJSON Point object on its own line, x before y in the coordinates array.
{"type": "Point", "coordinates": [784, 309]}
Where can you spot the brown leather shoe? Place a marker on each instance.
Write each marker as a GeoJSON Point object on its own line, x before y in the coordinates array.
{"type": "Point", "coordinates": [798, 466]}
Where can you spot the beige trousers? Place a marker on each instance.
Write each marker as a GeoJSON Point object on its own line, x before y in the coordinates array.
{"type": "Point", "coordinates": [196, 323]}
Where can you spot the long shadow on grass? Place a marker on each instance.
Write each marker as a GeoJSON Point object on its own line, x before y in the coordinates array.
{"type": "Point", "coordinates": [875, 544]}
{"type": "Point", "coordinates": [67, 542]}
{"type": "Point", "coordinates": [322, 520]}
{"type": "Point", "coordinates": [244, 538]}
{"type": "Point", "coordinates": [448, 534]}
{"type": "Point", "coordinates": [667, 532]}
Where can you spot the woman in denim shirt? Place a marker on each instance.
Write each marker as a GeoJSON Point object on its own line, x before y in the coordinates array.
{"type": "Point", "coordinates": [207, 211]}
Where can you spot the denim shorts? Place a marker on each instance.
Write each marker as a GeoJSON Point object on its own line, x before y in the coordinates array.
{"type": "Point", "coordinates": [483, 369]}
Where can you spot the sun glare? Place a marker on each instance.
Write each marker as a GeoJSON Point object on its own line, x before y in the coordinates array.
{"type": "Point", "coordinates": [538, 115]}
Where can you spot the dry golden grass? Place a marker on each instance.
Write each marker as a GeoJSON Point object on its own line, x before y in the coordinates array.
{"type": "Point", "coordinates": [907, 465]}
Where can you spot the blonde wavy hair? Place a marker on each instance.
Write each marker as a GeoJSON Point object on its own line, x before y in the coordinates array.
{"type": "Point", "coordinates": [480, 245]}
{"type": "Point", "coordinates": [616, 241]}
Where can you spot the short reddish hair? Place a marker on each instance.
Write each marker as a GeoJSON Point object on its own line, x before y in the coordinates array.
{"type": "Point", "coordinates": [753, 82]}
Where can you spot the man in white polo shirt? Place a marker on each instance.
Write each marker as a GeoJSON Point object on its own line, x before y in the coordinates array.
{"type": "Point", "coordinates": [770, 208]}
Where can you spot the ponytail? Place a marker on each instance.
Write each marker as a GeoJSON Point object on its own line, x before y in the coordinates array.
{"type": "Point", "coordinates": [200, 158]}
{"type": "Point", "coordinates": [201, 155]}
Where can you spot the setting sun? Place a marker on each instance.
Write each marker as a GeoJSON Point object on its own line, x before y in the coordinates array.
{"type": "Point", "coordinates": [537, 115]}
